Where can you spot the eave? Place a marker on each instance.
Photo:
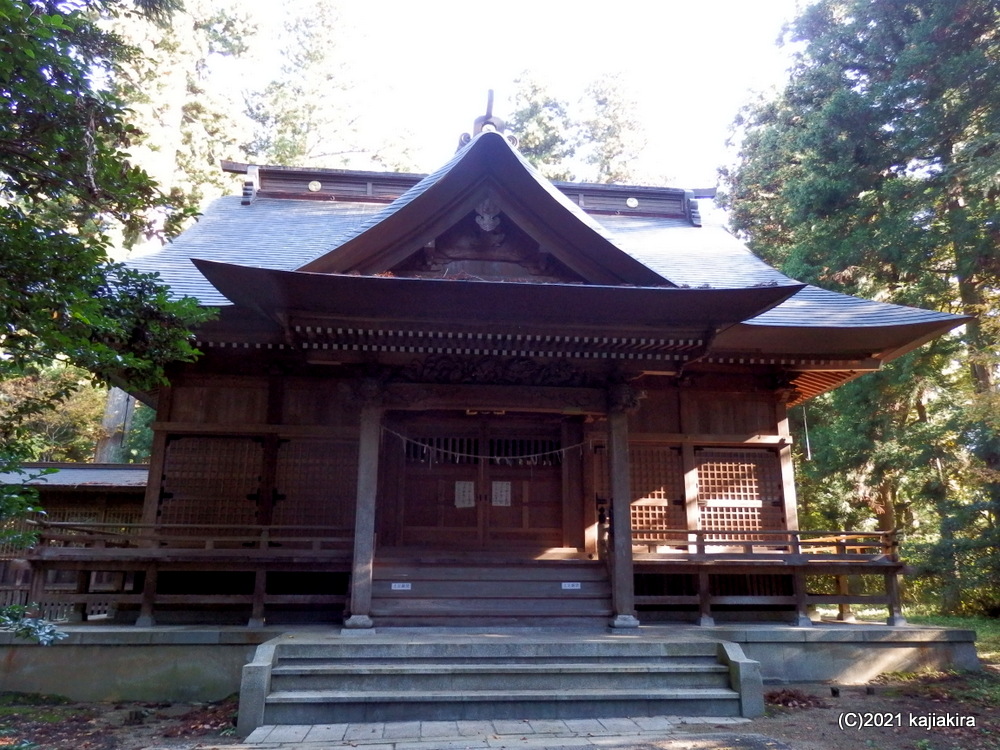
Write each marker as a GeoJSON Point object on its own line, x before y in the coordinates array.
{"type": "Point", "coordinates": [375, 313]}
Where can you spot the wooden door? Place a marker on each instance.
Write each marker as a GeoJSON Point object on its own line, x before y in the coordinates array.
{"type": "Point", "coordinates": [476, 482]}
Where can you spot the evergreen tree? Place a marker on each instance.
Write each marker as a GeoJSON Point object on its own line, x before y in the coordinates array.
{"type": "Point", "coordinates": [870, 173]}
{"type": "Point", "coordinates": [611, 134]}
{"type": "Point", "coordinates": [185, 108]}
{"type": "Point", "coordinates": [314, 112]}
{"type": "Point", "coordinates": [546, 135]}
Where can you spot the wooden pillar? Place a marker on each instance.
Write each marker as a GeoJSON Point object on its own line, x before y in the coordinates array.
{"type": "Point", "coordinates": [157, 463]}
{"type": "Point", "coordinates": [802, 618]}
{"type": "Point", "coordinates": [146, 618]}
{"type": "Point", "coordinates": [575, 516]}
{"type": "Point", "coordinates": [844, 613]}
{"type": "Point", "coordinates": [791, 508]}
{"type": "Point", "coordinates": [370, 435]}
{"type": "Point", "coordinates": [259, 591]}
{"type": "Point", "coordinates": [895, 605]}
{"type": "Point", "coordinates": [622, 580]}
{"type": "Point", "coordinates": [705, 618]}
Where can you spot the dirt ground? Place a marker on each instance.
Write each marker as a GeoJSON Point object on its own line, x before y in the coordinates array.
{"type": "Point", "coordinates": [805, 717]}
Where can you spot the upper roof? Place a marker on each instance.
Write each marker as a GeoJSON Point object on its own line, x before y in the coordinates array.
{"type": "Point", "coordinates": [488, 217]}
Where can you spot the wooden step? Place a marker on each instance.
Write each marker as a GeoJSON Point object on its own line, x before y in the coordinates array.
{"type": "Point", "coordinates": [523, 592]}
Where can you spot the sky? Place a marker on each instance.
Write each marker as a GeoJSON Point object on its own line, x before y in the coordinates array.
{"type": "Point", "coordinates": [689, 65]}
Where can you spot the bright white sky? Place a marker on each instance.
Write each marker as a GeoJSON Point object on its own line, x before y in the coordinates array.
{"type": "Point", "coordinates": [691, 65]}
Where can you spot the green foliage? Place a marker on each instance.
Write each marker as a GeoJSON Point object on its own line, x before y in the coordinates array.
{"type": "Point", "coordinates": [313, 113]}
{"type": "Point", "coordinates": [67, 184]}
{"type": "Point", "coordinates": [69, 433]}
{"type": "Point", "coordinates": [870, 173]}
{"type": "Point", "coordinates": [546, 135]}
{"type": "Point", "coordinates": [187, 113]}
{"type": "Point", "coordinates": [611, 134]}
{"type": "Point", "coordinates": [597, 139]}
{"type": "Point", "coordinates": [138, 444]}
{"type": "Point", "coordinates": [16, 618]}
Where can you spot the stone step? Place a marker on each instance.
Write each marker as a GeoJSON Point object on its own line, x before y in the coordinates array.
{"type": "Point", "coordinates": [330, 706]}
{"type": "Point", "coordinates": [500, 677]}
{"type": "Point", "coordinates": [586, 646]}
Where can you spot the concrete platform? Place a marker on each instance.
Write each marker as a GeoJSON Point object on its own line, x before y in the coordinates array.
{"type": "Point", "coordinates": [191, 663]}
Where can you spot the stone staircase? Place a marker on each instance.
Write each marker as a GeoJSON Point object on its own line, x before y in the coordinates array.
{"type": "Point", "coordinates": [506, 593]}
{"type": "Point", "coordinates": [519, 674]}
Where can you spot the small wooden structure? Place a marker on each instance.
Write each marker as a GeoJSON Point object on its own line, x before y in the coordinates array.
{"type": "Point", "coordinates": [477, 397]}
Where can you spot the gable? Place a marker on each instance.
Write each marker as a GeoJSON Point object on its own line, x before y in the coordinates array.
{"type": "Point", "coordinates": [487, 212]}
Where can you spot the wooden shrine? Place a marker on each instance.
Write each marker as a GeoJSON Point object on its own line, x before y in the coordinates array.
{"type": "Point", "coordinates": [478, 397]}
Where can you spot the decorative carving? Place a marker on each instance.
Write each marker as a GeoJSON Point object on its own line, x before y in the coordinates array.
{"type": "Point", "coordinates": [488, 215]}
{"type": "Point", "coordinates": [447, 368]}
{"type": "Point", "coordinates": [369, 390]}
{"type": "Point", "coordinates": [623, 397]}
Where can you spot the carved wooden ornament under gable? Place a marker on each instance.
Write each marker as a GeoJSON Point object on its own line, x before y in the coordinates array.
{"type": "Point", "coordinates": [486, 245]}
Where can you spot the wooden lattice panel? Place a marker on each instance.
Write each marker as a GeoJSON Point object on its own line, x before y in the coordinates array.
{"type": "Point", "coordinates": [317, 483]}
{"type": "Point", "coordinates": [657, 479]}
{"type": "Point", "coordinates": [211, 480]}
{"type": "Point", "coordinates": [739, 490]}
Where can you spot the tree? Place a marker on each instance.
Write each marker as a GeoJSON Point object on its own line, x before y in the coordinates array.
{"type": "Point", "coordinates": [65, 183]}
{"type": "Point", "coordinates": [313, 112]}
{"type": "Point", "coordinates": [611, 134]}
{"type": "Point", "coordinates": [873, 172]}
{"type": "Point", "coordinates": [180, 96]}
{"type": "Point", "coordinates": [547, 137]}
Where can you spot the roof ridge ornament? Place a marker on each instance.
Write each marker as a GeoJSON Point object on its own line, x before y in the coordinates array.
{"type": "Point", "coordinates": [488, 123]}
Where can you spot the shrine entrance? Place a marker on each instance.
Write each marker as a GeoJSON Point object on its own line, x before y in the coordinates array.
{"type": "Point", "coordinates": [474, 481]}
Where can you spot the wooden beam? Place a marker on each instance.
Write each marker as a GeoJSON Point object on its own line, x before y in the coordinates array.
{"type": "Point", "coordinates": [561, 400]}
{"type": "Point", "coordinates": [711, 439]}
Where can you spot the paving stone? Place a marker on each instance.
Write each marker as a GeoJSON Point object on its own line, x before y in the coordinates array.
{"type": "Point", "coordinates": [326, 733]}
{"type": "Point", "coordinates": [365, 731]}
{"type": "Point", "coordinates": [403, 730]}
{"type": "Point", "coordinates": [441, 744]}
{"type": "Point", "coordinates": [653, 723]}
{"type": "Point", "coordinates": [511, 726]}
{"type": "Point", "coordinates": [585, 727]}
{"type": "Point", "coordinates": [439, 729]}
{"type": "Point", "coordinates": [289, 733]}
{"type": "Point", "coordinates": [475, 728]}
{"type": "Point", "coordinates": [260, 733]}
{"type": "Point", "coordinates": [622, 726]}
{"type": "Point", "coordinates": [548, 726]}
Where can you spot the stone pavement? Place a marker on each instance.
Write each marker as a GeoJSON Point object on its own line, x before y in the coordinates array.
{"type": "Point", "coordinates": [641, 733]}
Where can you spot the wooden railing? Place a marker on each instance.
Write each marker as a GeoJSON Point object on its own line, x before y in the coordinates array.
{"type": "Point", "coordinates": [133, 555]}
{"type": "Point", "coordinates": [54, 536]}
{"type": "Point", "coordinates": [754, 544]}
{"type": "Point", "coordinates": [800, 558]}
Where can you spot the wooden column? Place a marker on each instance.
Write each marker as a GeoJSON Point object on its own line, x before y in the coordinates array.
{"type": "Point", "coordinates": [146, 618]}
{"type": "Point", "coordinates": [791, 508]}
{"type": "Point", "coordinates": [622, 581]}
{"type": "Point", "coordinates": [802, 618]}
{"type": "Point", "coordinates": [370, 435]}
{"type": "Point", "coordinates": [895, 605]}
{"type": "Point", "coordinates": [575, 515]}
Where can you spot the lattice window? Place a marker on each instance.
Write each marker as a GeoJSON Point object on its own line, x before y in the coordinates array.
{"type": "Point", "coordinates": [211, 480]}
{"type": "Point", "coordinates": [657, 479]}
{"type": "Point", "coordinates": [124, 516]}
{"type": "Point", "coordinates": [317, 483]}
{"type": "Point", "coordinates": [739, 490]}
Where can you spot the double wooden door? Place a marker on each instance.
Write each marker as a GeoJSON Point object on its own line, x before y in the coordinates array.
{"type": "Point", "coordinates": [482, 482]}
